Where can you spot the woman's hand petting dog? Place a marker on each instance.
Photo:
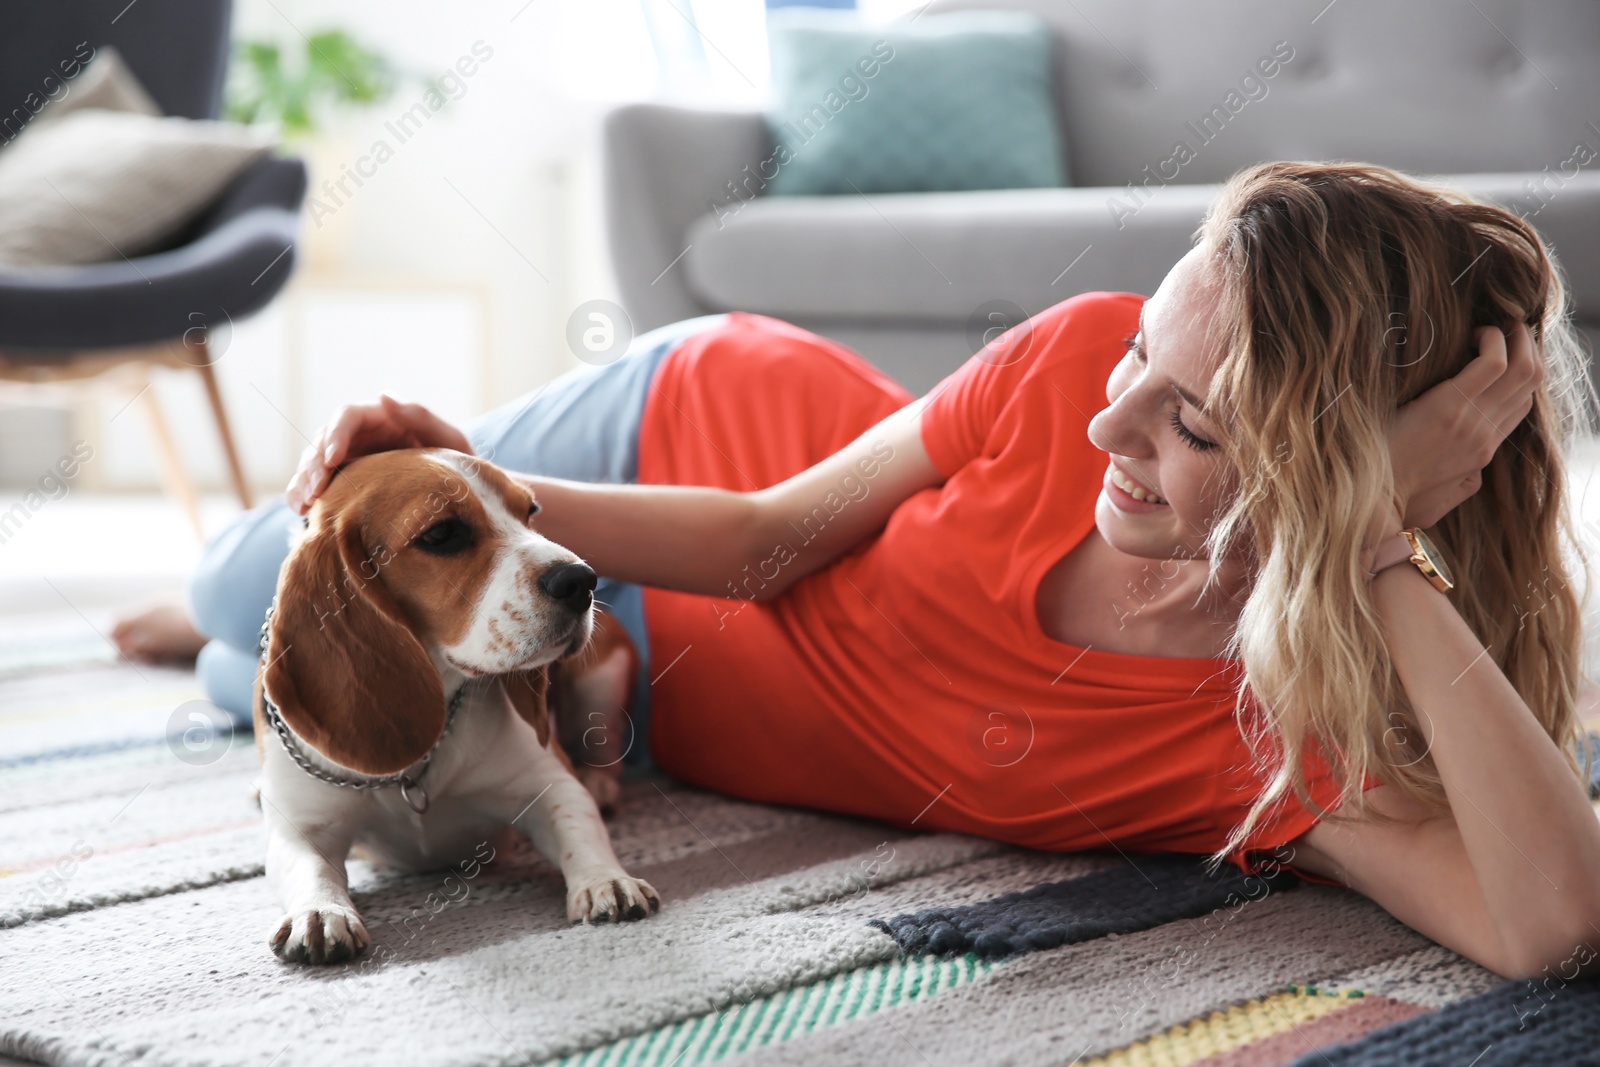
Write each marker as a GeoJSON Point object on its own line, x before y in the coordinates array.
{"type": "Point", "coordinates": [1441, 441]}
{"type": "Point", "coordinates": [360, 430]}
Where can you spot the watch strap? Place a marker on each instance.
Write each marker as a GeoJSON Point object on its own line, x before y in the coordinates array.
{"type": "Point", "coordinates": [1387, 553]}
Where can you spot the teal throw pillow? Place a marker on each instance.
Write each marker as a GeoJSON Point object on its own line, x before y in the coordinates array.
{"type": "Point", "coordinates": [963, 100]}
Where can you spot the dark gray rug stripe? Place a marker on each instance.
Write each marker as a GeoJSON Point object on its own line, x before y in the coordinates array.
{"type": "Point", "coordinates": [1546, 1021]}
{"type": "Point", "coordinates": [1148, 892]}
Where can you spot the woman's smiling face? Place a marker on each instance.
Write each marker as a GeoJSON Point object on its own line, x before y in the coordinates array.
{"type": "Point", "coordinates": [1163, 447]}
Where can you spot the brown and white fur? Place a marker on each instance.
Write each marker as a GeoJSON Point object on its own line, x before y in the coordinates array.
{"type": "Point", "coordinates": [419, 571]}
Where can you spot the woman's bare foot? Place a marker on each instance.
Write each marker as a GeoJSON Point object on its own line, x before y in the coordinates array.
{"type": "Point", "coordinates": [158, 634]}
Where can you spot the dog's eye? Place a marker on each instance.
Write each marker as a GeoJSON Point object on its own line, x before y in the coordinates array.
{"type": "Point", "coordinates": [445, 538]}
{"type": "Point", "coordinates": [533, 509]}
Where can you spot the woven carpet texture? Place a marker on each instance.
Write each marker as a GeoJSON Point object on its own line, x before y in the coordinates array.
{"type": "Point", "coordinates": [133, 917]}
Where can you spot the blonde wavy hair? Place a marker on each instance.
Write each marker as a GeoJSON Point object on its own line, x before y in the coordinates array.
{"type": "Point", "coordinates": [1345, 290]}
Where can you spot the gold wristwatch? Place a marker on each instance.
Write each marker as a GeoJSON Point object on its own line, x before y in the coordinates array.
{"type": "Point", "coordinates": [1414, 546]}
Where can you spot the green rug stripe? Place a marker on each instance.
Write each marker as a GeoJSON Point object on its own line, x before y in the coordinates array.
{"type": "Point", "coordinates": [791, 1013]}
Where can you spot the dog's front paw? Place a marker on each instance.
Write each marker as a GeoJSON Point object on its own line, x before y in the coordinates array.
{"type": "Point", "coordinates": [329, 934]}
{"type": "Point", "coordinates": [611, 898]}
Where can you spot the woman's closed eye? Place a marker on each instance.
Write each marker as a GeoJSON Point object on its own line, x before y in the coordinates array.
{"type": "Point", "coordinates": [1188, 436]}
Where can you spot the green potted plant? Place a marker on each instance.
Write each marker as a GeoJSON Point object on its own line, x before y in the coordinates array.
{"type": "Point", "coordinates": [296, 92]}
{"type": "Point", "coordinates": [302, 89]}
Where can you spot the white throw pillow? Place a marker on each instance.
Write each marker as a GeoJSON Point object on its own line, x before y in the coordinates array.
{"type": "Point", "coordinates": [95, 185]}
{"type": "Point", "coordinates": [106, 82]}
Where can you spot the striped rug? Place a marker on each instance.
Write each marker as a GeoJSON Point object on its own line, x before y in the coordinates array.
{"type": "Point", "coordinates": [133, 916]}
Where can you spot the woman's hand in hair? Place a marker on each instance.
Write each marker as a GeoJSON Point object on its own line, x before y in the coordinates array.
{"type": "Point", "coordinates": [1441, 441]}
{"type": "Point", "coordinates": [361, 429]}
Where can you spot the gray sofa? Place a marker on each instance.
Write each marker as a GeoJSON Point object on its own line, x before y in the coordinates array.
{"type": "Point", "coordinates": [1493, 96]}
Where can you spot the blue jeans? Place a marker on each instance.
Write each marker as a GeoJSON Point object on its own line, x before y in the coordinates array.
{"type": "Point", "coordinates": [584, 426]}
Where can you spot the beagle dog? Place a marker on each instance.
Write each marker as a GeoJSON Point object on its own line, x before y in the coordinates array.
{"type": "Point", "coordinates": [402, 703]}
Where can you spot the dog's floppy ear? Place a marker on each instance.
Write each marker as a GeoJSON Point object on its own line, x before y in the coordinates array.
{"type": "Point", "coordinates": [530, 695]}
{"type": "Point", "coordinates": [344, 668]}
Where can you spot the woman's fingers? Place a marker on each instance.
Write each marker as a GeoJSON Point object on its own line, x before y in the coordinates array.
{"type": "Point", "coordinates": [1494, 392]}
{"type": "Point", "coordinates": [1508, 400]}
{"type": "Point", "coordinates": [329, 449]}
{"type": "Point", "coordinates": [371, 424]}
{"type": "Point", "coordinates": [426, 428]}
{"type": "Point", "coordinates": [1484, 369]}
{"type": "Point", "coordinates": [361, 429]}
{"type": "Point", "coordinates": [1520, 375]}
{"type": "Point", "coordinates": [312, 475]}
{"type": "Point", "coordinates": [1445, 437]}
{"type": "Point", "coordinates": [1503, 370]}
{"type": "Point", "coordinates": [308, 480]}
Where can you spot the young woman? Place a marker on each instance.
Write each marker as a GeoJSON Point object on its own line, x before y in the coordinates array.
{"type": "Point", "coordinates": [1133, 576]}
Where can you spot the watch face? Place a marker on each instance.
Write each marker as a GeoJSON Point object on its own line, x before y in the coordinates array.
{"type": "Point", "coordinates": [1435, 558]}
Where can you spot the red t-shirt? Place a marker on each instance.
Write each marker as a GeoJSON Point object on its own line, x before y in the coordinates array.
{"type": "Point", "coordinates": [910, 680]}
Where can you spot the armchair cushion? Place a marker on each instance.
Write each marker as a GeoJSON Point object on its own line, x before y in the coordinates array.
{"type": "Point", "coordinates": [236, 259]}
{"type": "Point", "coordinates": [97, 185]}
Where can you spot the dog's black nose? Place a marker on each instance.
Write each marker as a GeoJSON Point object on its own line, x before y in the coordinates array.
{"type": "Point", "coordinates": [571, 583]}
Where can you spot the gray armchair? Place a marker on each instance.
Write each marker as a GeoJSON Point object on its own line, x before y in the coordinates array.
{"type": "Point", "coordinates": [80, 322]}
{"type": "Point", "coordinates": [1491, 97]}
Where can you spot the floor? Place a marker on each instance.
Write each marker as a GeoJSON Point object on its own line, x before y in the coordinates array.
{"type": "Point", "coordinates": [67, 569]}
{"type": "Point", "coordinates": [72, 566]}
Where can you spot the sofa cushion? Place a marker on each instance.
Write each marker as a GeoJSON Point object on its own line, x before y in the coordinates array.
{"type": "Point", "coordinates": [941, 257]}
{"type": "Point", "coordinates": [933, 257]}
{"type": "Point", "coordinates": [946, 102]}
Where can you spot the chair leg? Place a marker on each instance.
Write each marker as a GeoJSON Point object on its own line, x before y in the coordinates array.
{"type": "Point", "coordinates": [172, 469]}
{"type": "Point", "coordinates": [241, 488]}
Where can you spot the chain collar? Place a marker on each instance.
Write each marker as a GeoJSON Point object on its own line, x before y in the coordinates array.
{"type": "Point", "coordinates": [411, 790]}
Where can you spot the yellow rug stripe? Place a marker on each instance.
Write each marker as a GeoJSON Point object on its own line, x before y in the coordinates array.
{"type": "Point", "coordinates": [1227, 1029]}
